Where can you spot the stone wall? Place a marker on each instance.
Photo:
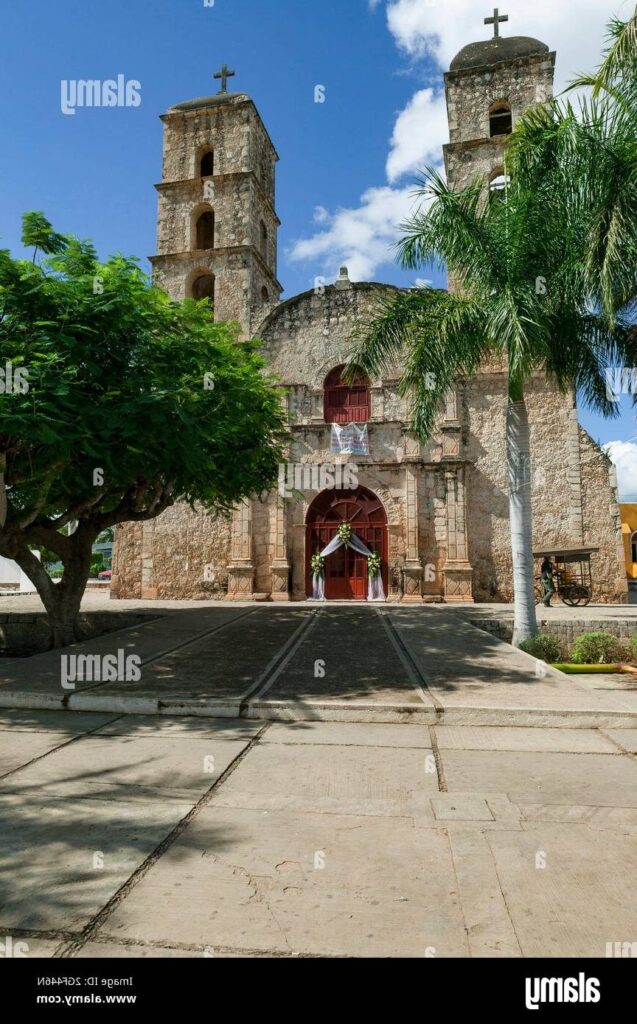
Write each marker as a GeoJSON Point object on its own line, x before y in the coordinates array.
{"type": "Point", "coordinates": [26, 633]}
{"type": "Point", "coordinates": [181, 554]}
{"type": "Point", "coordinates": [602, 522]}
{"type": "Point", "coordinates": [573, 496]}
{"type": "Point", "coordinates": [566, 632]}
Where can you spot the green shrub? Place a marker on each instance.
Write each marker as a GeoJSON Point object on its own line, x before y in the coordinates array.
{"type": "Point", "coordinates": [97, 564]}
{"type": "Point", "coordinates": [544, 647]}
{"type": "Point", "coordinates": [596, 649]}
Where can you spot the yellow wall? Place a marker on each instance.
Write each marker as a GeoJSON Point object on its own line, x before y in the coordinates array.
{"type": "Point", "coordinates": [629, 526]}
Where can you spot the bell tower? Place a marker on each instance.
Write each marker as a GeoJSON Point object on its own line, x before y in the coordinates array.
{"type": "Point", "coordinates": [488, 87]}
{"type": "Point", "coordinates": [217, 223]}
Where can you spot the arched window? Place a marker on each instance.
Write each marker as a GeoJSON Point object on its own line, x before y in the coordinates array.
{"type": "Point", "coordinates": [500, 119]}
{"type": "Point", "coordinates": [633, 548]}
{"type": "Point", "coordinates": [206, 230]}
{"type": "Point", "coordinates": [203, 287]}
{"type": "Point", "coordinates": [207, 167]}
{"type": "Point", "coordinates": [263, 240]}
{"type": "Point", "coordinates": [265, 295]}
{"type": "Point", "coordinates": [498, 182]}
{"type": "Point", "coordinates": [346, 403]}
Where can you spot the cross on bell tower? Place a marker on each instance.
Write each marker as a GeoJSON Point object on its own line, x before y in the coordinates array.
{"type": "Point", "coordinates": [224, 75]}
{"type": "Point", "coordinates": [496, 20]}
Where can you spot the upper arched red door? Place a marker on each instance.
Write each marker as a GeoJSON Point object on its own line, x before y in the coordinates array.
{"type": "Point", "coordinates": [346, 403]}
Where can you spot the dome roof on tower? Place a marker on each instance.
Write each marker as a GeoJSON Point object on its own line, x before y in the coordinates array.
{"type": "Point", "coordinates": [492, 51]}
{"type": "Point", "coordinates": [210, 101]}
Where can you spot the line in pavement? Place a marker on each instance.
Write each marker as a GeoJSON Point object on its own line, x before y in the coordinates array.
{"type": "Point", "coordinates": [178, 647]}
{"type": "Point", "coordinates": [408, 662]}
{"type": "Point", "coordinates": [282, 658]}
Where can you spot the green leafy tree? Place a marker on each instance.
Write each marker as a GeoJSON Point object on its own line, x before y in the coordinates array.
{"type": "Point", "coordinates": [134, 402]}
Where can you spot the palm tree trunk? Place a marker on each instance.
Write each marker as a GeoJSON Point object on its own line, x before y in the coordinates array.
{"type": "Point", "coordinates": [520, 514]}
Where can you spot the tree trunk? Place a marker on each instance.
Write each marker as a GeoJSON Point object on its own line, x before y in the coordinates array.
{"type": "Point", "coordinates": [62, 600]}
{"type": "Point", "coordinates": [520, 514]}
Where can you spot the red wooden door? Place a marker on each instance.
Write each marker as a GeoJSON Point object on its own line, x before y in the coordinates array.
{"type": "Point", "coordinates": [345, 570]}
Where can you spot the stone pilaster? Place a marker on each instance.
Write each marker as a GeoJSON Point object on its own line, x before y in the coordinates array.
{"type": "Point", "coordinates": [412, 569]}
{"type": "Point", "coordinates": [457, 572]}
{"type": "Point", "coordinates": [574, 478]}
{"type": "Point", "coordinates": [280, 565]}
{"type": "Point", "coordinates": [150, 591]}
{"type": "Point", "coordinates": [241, 569]}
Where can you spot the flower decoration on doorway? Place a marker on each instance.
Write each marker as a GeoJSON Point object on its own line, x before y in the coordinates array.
{"type": "Point", "coordinates": [345, 532]}
{"type": "Point", "coordinates": [345, 537]}
{"type": "Point", "coordinates": [373, 565]}
{"type": "Point", "coordinates": [318, 565]}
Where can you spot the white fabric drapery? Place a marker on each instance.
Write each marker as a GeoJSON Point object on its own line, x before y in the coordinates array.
{"type": "Point", "coordinates": [375, 589]}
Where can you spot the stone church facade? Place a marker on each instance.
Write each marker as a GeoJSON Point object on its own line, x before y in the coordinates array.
{"type": "Point", "coordinates": [436, 513]}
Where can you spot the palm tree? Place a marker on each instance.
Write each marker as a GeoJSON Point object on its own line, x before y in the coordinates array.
{"type": "Point", "coordinates": [587, 150]}
{"type": "Point", "coordinates": [521, 297]}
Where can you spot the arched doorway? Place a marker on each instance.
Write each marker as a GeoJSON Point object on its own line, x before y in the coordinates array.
{"type": "Point", "coordinates": [346, 571]}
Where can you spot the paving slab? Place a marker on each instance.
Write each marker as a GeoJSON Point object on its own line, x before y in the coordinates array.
{"type": "Point", "coordinates": [19, 748]}
{"type": "Point", "coordinates": [42, 674]}
{"type": "Point", "coordinates": [490, 931]}
{"type": "Point", "coordinates": [385, 889]}
{"type": "Point", "coordinates": [580, 901]}
{"type": "Point", "coordinates": [349, 734]}
{"type": "Point", "coordinates": [576, 741]}
{"type": "Point", "coordinates": [50, 876]}
{"type": "Point", "coordinates": [461, 807]}
{"type": "Point", "coordinates": [346, 656]}
{"type": "Point", "coordinates": [222, 666]}
{"type": "Point", "coordinates": [530, 778]}
{"type": "Point", "coordinates": [139, 768]}
{"type": "Point", "coordinates": [158, 726]}
{"type": "Point", "coordinates": [626, 739]}
{"type": "Point", "coordinates": [466, 668]}
{"type": "Point", "coordinates": [621, 819]}
{"type": "Point", "coordinates": [333, 780]}
{"type": "Point", "coordinates": [58, 721]}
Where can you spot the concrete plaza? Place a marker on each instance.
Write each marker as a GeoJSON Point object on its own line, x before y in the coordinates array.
{"type": "Point", "coordinates": [302, 781]}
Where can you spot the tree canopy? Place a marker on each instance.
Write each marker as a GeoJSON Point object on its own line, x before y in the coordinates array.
{"type": "Point", "coordinates": [117, 402]}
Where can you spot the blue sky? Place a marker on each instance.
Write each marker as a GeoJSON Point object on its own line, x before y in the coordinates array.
{"type": "Point", "coordinates": [347, 165]}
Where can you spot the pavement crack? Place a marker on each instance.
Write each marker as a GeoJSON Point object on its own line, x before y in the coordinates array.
{"type": "Point", "coordinates": [442, 781]}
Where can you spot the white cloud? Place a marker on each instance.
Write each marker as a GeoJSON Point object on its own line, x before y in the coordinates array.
{"type": "Point", "coordinates": [362, 237]}
{"type": "Point", "coordinates": [623, 455]}
{"type": "Point", "coordinates": [441, 28]}
{"type": "Point", "coordinates": [419, 134]}
{"type": "Point", "coordinates": [359, 238]}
